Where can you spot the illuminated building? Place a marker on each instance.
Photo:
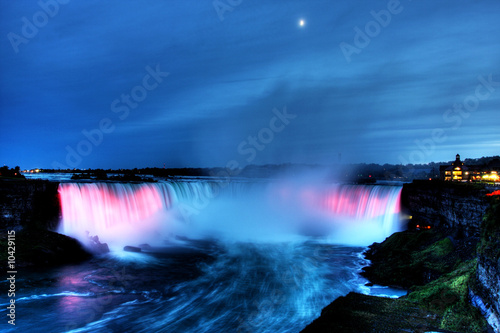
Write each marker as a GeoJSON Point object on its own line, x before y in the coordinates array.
{"type": "Point", "coordinates": [458, 172]}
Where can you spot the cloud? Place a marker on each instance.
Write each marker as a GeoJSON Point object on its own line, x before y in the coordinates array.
{"type": "Point", "coordinates": [226, 78]}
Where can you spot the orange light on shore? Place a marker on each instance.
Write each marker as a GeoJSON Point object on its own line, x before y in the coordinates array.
{"type": "Point", "coordinates": [497, 192]}
{"type": "Point", "coordinates": [420, 227]}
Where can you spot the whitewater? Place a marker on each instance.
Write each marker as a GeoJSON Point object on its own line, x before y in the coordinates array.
{"type": "Point", "coordinates": [244, 256]}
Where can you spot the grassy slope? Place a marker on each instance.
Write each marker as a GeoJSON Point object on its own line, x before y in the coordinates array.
{"type": "Point", "coordinates": [448, 298]}
{"type": "Point", "coordinates": [411, 258]}
{"type": "Point", "coordinates": [437, 270]}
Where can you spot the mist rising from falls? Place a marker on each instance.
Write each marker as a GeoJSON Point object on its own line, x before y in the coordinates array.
{"type": "Point", "coordinates": [153, 213]}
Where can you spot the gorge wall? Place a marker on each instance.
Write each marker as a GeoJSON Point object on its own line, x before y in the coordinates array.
{"type": "Point", "coordinates": [457, 209]}
{"type": "Point", "coordinates": [464, 211]}
{"type": "Point", "coordinates": [31, 209]}
{"type": "Point", "coordinates": [29, 203]}
{"type": "Point", "coordinates": [485, 293]}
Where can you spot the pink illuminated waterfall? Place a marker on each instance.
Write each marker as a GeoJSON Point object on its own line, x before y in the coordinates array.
{"type": "Point", "coordinates": [362, 201]}
{"type": "Point", "coordinates": [102, 206]}
{"type": "Point", "coordinates": [348, 214]}
{"type": "Point", "coordinates": [376, 209]}
{"type": "Point", "coordinates": [120, 213]}
{"type": "Point", "coordinates": [131, 214]}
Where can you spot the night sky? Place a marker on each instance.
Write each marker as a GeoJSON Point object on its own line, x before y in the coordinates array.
{"type": "Point", "coordinates": [124, 84]}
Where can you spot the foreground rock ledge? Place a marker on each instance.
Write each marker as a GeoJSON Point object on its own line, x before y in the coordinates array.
{"type": "Point", "coordinates": [362, 313]}
{"type": "Point", "coordinates": [42, 248]}
{"type": "Point", "coordinates": [447, 269]}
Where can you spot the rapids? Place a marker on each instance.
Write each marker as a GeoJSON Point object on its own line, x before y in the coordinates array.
{"type": "Point", "coordinates": [217, 257]}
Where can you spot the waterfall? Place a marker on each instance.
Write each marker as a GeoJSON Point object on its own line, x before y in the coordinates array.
{"type": "Point", "coordinates": [125, 213]}
{"type": "Point", "coordinates": [131, 214]}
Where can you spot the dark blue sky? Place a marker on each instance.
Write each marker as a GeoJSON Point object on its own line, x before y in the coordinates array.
{"type": "Point", "coordinates": [205, 83]}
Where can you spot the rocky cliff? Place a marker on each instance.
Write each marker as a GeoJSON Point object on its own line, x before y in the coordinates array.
{"type": "Point", "coordinates": [29, 209]}
{"type": "Point", "coordinates": [27, 203]}
{"type": "Point", "coordinates": [485, 292]}
{"type": "Point", "coordinates": [464, 211]}
{"type": "Point", "coordinates": [455, 208]}
{"type": "Point", "coordinates": [448, 268]}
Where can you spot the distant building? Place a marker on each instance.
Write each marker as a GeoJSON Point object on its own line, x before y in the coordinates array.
{"type": "Point", "coordinates": [458, 172]}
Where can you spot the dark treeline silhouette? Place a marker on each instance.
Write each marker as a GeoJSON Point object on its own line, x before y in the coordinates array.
{"type": "Point", "coordinates": [5, 172]}
{"type": "Point", "coordinates": [360, 172]}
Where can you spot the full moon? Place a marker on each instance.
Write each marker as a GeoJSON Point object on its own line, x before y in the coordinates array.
{"type": "Point", "coordinates": [302, 22]}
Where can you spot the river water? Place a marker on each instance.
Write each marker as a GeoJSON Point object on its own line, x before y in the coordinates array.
{"type": "Point", "coordinates": [231, 263]}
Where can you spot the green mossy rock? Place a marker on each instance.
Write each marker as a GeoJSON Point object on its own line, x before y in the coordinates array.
{"type": "Point", "coordinates": [448, 297]}
{"type": "Point", "coordinates": [411, 258]}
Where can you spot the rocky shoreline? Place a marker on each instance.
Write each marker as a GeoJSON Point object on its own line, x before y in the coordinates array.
{"type": "Point", "coordinates": [438, 280]}
{"type": "Point", "coordinates": [30, 210]}
{"type": "Point", "coordinates": [451, 271]}
{"type": "Point", "coordinates": [39, 248]}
